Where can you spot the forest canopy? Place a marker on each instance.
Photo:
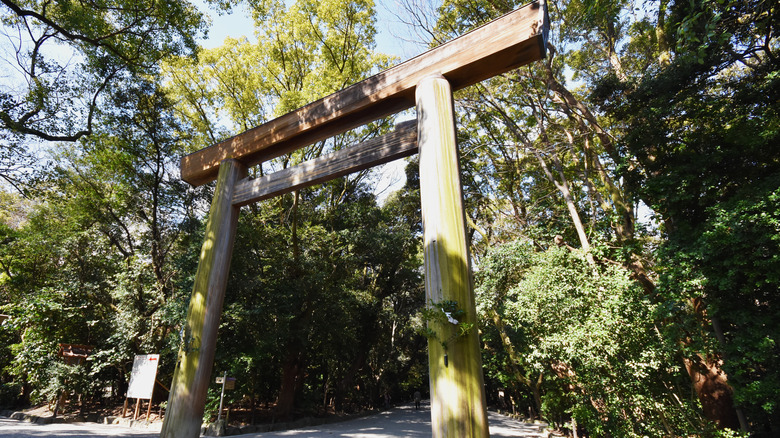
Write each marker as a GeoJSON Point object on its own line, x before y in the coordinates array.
{"type": "Point", "coordinates": [622, 198]}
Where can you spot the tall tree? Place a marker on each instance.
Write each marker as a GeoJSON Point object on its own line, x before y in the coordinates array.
{"type": "Point", "coordinates": [70, 54]}
{"type": "Point", "coordinates": [66, 59]}
{"type": "Point", "coordinates": [702, 128]}
{"type": "Point", "coordinates": [114, 211]}
{"type": "Point", "coordinates": [620, 79]}
{"type": "Point", "coordinates": [304, 51]}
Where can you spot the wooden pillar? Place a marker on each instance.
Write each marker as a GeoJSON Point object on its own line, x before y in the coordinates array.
{"type": "Point", "coordinates": [137, 408]}
{"type": "Point", "coordinates": [458, 406]}
{"type": "Point", "coordinates": [187, 398]}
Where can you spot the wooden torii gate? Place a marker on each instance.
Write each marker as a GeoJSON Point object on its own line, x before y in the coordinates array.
{"type": "Point", "coordinates": [426, 81]}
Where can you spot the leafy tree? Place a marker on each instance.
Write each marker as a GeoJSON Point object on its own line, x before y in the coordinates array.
{"type": "Point", "coordinates": [54, 293]}
{"type": "Point", "coordinates": [584, 340]}
{"type": "Point", "coordinates": [325, 285]}
{"type": "Point", "coordinates": [539, 160]}
{"type": "Point", "coordinates": [65, 61]}
{"type": "Point", "coordinates": [702, 131]}
{"type": "Point", "coordinates": [319, 305]}
{"type": "Point", "coordinates": [303, 52]}
{"type": "Point", "coordinates": [97, 252]}
{"type": "Point", "coordinates": [70, 55]}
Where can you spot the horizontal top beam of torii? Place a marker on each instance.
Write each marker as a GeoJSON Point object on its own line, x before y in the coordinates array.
{"type": "Point", "coordinates": [508, 42]}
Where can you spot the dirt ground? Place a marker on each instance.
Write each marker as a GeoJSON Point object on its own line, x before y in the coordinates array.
{"type": "Point", "coordinates": [401, 421]}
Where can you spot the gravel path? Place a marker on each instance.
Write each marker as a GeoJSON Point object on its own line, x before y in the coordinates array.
{"type": "Point", "coordinates": [402, 421]}
{"type": "Point", "coordinates": [20, 429]}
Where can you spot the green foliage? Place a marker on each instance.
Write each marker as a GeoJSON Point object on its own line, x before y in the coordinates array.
{"type": "Point", "coordinates": [329, 298]}
{"type": "Point", "coordinates": [444, 314]}
{"type": "Point", "coordinates": [62, 379]}
{"type": "Point", "coordinates": [703, 133]}
{"type": "Point", "coordinates": [67, 62]}
{"type": "Point", "coordinates": [9, 395]}
{"type": "Point", "coordinates": [71, 55]}
{"type": "Point", "coordinates": [592, 332]}
{"type": "Point", "coordinates": [729, 433]}
{"type": "Point", "coordinates": [732, 265]}
{"type": "Point", "coordinates": [212, 404]}
{"type": "Point", "coordinates": [91, 260]}
{"type": "Point", "coordinates": [304, 51]}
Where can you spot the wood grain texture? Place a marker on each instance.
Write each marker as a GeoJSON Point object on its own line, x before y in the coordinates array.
{"type": "Point", "coordinates": [398, 144]}
{"type": "Point", "coordinates": [513, 40]}
{"type": "Point", "coordinates": [187, 398]}
{"type": "Point", "coordinates": [458, 407]}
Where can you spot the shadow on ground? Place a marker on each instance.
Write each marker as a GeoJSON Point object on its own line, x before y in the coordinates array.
{"type": "Point", "coordinates": [401, 421]}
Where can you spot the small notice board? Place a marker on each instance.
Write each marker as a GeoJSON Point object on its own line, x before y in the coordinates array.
{"type": "Point", "coordinates": [143, 376]}
{"type": "Point", "coordinates": [229, 382]}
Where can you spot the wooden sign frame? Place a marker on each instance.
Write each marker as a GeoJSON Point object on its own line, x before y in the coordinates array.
{"type": "Point", "coordinates": [141, 384]}
{"type": "Point", "coordinates": [74, 354]}
{"type": "Point", "coordinates": [427, 82]}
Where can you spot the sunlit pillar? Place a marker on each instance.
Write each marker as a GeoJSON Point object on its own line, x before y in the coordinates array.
{"type": "Point", "coordinates": [457, 390]}
{"type": "Point", "coordinates": [187, 399]}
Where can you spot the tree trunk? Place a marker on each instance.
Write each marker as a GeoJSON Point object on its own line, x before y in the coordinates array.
{"type": "Point", "coordinates": [664, 54]}
{"type": "Point", "coordinates": [711, 385]}
{"type": "Point", "coordinates": [710, 381]}
{"type": "Point", "coordinates": [292, 376]}
{"type": "Point", "coordinates": [342, 388]}
{"type": "Point", "coordinates": [563, 188]}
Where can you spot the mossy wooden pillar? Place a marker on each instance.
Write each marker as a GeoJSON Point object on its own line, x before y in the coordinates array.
{"type": "Point", "coordinates": [187, 399]}
{"type": "Point", "coordinates": [457, 390]}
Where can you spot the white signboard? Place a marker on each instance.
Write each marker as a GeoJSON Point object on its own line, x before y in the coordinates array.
{"type": "Point", "coordinates": [143, 375]}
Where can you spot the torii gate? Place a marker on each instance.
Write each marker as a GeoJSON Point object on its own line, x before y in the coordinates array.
{"type": "Point", "coordinates": [457, 390]}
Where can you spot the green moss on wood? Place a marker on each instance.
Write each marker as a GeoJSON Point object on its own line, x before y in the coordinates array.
{"type": "Point", "coordinates": [457, 391]}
